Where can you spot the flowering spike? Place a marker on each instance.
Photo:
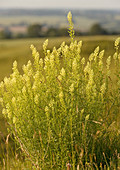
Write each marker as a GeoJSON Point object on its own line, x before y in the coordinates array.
{"type": "Point", "coordinates": [71, 26]}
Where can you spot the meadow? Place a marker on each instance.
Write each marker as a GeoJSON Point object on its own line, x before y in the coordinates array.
{"type": "Point", "coordinates": [19, 50]}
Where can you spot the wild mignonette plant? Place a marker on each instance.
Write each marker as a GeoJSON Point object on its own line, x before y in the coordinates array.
{"type": "Point", "coordinates": [64, 108]}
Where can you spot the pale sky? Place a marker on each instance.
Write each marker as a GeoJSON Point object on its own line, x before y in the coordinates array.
{"type": "Point", "coordinates": [84, 4]}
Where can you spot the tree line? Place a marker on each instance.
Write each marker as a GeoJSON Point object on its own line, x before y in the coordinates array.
{"type": "Point", "coordinates": [37, 30]}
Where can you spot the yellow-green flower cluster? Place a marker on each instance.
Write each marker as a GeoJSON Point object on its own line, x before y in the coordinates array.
{"type": "Point", "coordinates": [103, 89]}
{"type": "Point", "coordinates": [108, 62]}
{"type": "Point", "coordinates": [117, 42]}
{"type": "Point", "coordinates": [71, 31]}
{"type": "Point", "coordinates": [101, 54]}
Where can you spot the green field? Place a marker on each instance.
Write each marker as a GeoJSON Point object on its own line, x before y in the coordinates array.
{"type": "Point", "coordinates": [19, 50]}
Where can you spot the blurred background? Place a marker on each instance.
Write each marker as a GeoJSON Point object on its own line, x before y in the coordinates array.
{"type": "Point", "coordinates": [26, 22]}
{"type": "Point", "coordinates": [38, 18]}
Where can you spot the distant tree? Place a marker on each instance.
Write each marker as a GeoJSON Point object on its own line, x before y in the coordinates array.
{"type": "Point", "coordinates": [63, 32]}
{"type": "Point", "coordinates": [34, 30]}
{"type": "Point", "coordinates": [52, 32]}
{"type": "Point", "coordinates": [55, 32]}
{"type": "Point", "coordinates": [78, 33]}
{"type": "Point", "coordinates": [96, 29]}
{"type": "Point", "coordinates": [5, 34]}
{"type": "Point", "coordinates": [20, 35]}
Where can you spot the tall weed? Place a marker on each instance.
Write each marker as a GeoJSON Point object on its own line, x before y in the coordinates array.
{"type": "Point", "coordinates": [64, 109]}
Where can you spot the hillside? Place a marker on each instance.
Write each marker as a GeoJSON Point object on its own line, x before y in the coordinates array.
{"type": "Point", "coordinates": [83, 19]}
